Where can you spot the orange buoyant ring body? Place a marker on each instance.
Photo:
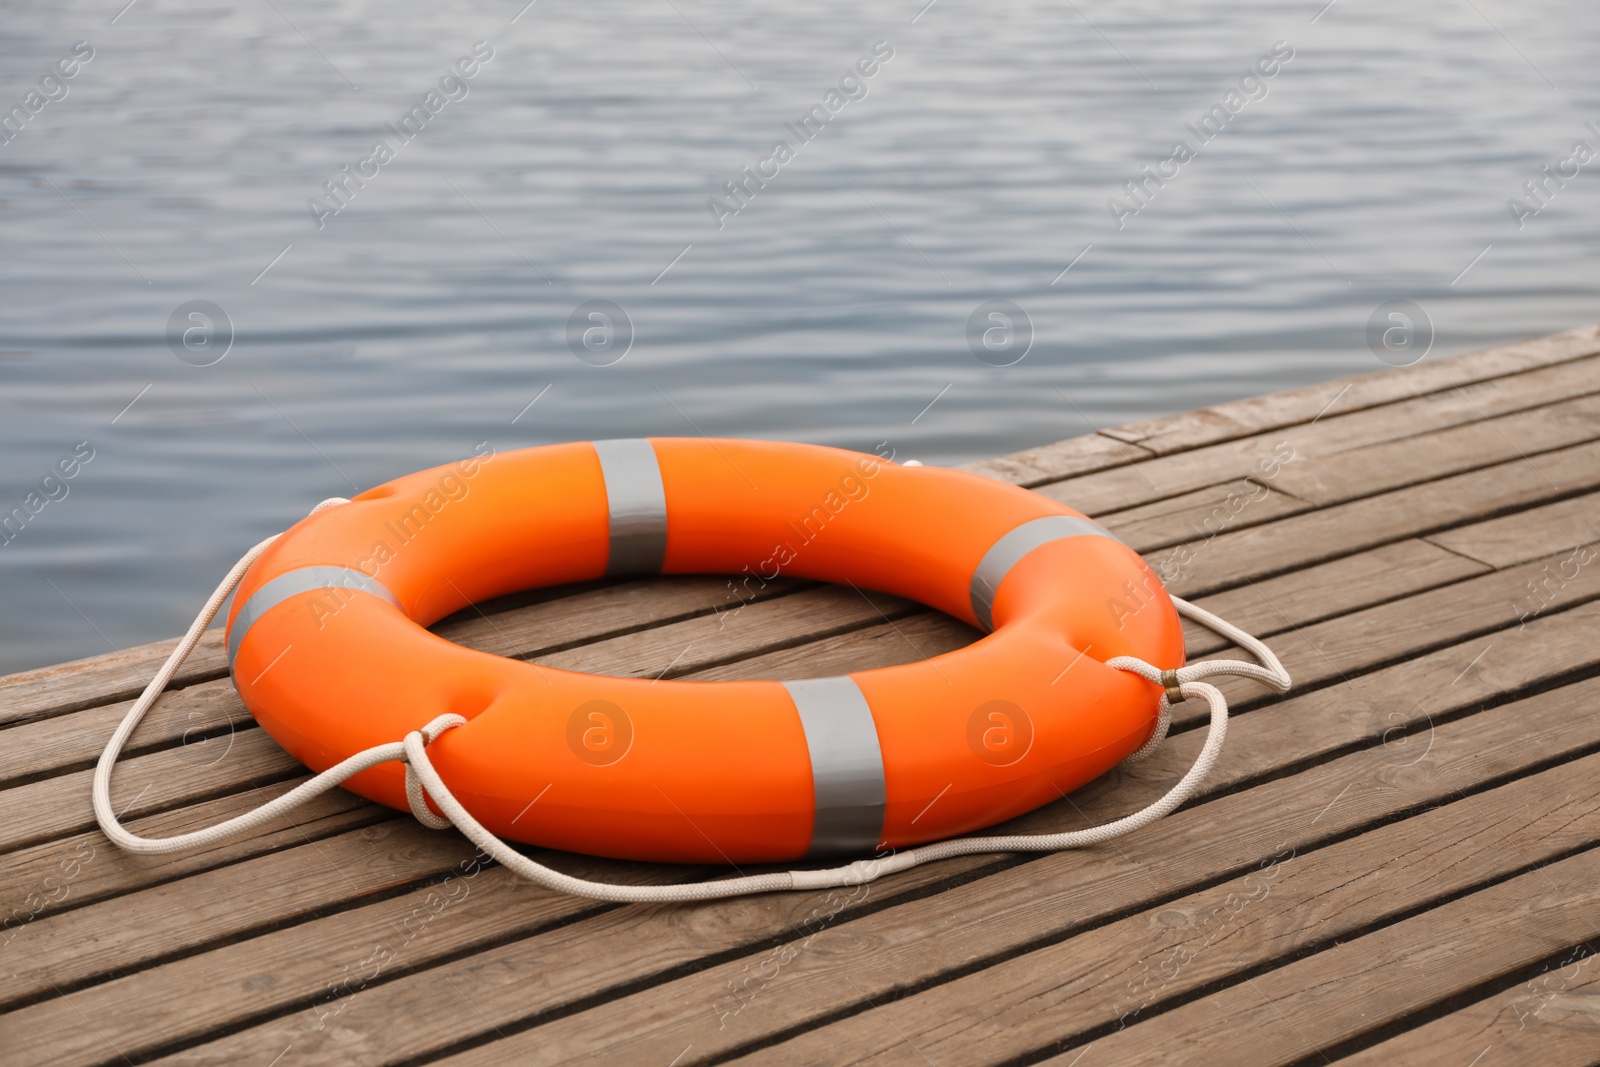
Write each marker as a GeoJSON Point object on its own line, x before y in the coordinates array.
{"type": "Point", "coordinates": [328, 647]}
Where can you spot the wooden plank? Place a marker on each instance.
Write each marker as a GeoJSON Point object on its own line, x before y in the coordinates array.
{"type": "Point", "coordinates": [119, 675]}
{"type": "Point", "coordinates": [1426, 457]}
{"type": "Point", "coordinates": [1069, 989]}
{"type": "Point", "coordinates": [1552, 1019]}
{"type": "Point", "coordinates": [522, 980]}
{"type": "Point", "coordinates": [1197, 515]}
{"type": "Point", "coordinates": [598, 612]}
{"type": "Point", "coordinates": [1401, 706]}
{"type": "Point", "coordinates": [1076, 455]}
{"type": "Point", "coordinates": [1523, 536]}
{"type": "Point", "coordinates": [1505, 541]}
{"type": "Point", "coordinates": [1236, 557]}
{"type": "Point", "coordinates": [83, 869]}
{"type": "Point", "coordinates": [1360, 985]}
{"type": "Point", "coordinates": [202, 718]}
{"type": "Point", "coordinates": [386, 937]}
{"type": "Point", "coordinates": [1328, 590]}
{"type": "Point", "coordinates": [1256, 414]}
{"type": "Point", "coordinates": [709, 640]}
{"type": "Point", "coordinates": [162, 780]}
{"type": "Point", "coordinates": [1115, 488]}
{"type": "Point", "coordinates": [905, 640]}
{"type": "Point", "coordinates": [1353, 644]}
{"type": "Point", "coordinates": [304, 976]}
{"type": "Point", "coordinates": [47, 955]}
{"type": "Point", "coordinates": [1326, 722]}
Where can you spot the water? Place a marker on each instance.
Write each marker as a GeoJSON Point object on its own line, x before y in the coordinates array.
{"type": "Point", "coordinates": [432, 309]}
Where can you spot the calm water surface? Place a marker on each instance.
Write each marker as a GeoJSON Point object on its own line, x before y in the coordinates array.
{"type": "Point", "coordinates": [430, 311]}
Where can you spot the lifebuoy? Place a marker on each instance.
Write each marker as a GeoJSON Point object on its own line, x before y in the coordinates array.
{"type": "Point", "coordinates": [328, 648]}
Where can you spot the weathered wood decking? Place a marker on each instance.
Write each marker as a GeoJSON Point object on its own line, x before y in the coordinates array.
{"type": "Point", "coordinates": [1395, 864]}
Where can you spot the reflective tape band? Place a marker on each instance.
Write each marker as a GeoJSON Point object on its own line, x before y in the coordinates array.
{"type": "Point", "coordinates": [290, 583]}
{"type": "Point", "coordinates": [1009, 550]}
{"type": "Point", "coordinates": [638, 504]}
{"type": "Point", "coordinates": [846, 766]}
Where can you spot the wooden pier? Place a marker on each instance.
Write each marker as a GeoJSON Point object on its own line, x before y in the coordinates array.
{"type": "Point", "coordinates": [1394, 864]}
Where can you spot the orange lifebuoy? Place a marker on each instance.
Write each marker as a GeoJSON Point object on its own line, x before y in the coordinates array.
{"type": "Point", "coordinates": [328, 648]}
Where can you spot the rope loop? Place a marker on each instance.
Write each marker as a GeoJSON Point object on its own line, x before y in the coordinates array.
{"type": "Point", "coordinates": [414, 743]}
{"type": "Point", "coordinates": [425, 790]}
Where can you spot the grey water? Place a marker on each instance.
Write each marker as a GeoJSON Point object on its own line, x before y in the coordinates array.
{"type": "Point", "coordinates": [216, 287]}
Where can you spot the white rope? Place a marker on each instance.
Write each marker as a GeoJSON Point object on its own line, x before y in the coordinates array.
{"type": "Point", "coordinates": [423, 781]}
{"type": "Point", "coordinates": [101, 789]}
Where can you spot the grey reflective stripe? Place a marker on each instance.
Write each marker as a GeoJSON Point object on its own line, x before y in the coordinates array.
{"type": "Point", "coordinates": [638, 504]}
{"type": "Point", "coordinates": [288, 584]}
{"type": "Point", "coordinates": [846, 766]}
{"type": "Point", "coordinates": [1006, 552]}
